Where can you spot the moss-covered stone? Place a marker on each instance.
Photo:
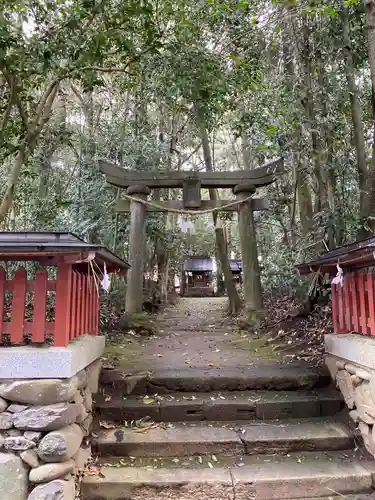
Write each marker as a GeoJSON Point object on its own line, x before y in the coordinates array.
{"type": "Point", "coordinates": [139, 323]}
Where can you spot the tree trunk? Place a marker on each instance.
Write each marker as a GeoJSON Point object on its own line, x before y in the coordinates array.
{"type": "Point", "coordinates": [162, 253]}
{"type": "Point", "coordinates": [219, 276]}
{"type": "Point", "coordinates": [163, 275]}
{"type": "Point", "coordinates": [359, 136]}
{"type": "Point", "coordinates": [13, 178]}
{"type": "Point", "coordinates": [27, 147]}
{"type": "Point", "coordinates": [321, 200]}
{"type": "Point", "coordinates": [302, 185]}
{"type": "Point", "coordinates": [250, 265]}
{"type": "Point", "coordinates": [371, 51]}
{"type": "Point", "coordinates": [163, 260]}
{"type": "Point", "coordinates": [234, 299]}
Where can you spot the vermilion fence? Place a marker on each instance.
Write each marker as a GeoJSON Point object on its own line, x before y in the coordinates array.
{"type": "Point", "coordinates": [76, 306]}
{"type": "Point", "coordinates": [353, 305]}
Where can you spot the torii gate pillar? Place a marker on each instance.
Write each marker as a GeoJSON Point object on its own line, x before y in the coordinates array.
{"type": "Point", "coordinates": [137, 245]}
{"type": "Point", "coordinates": [250, 266]}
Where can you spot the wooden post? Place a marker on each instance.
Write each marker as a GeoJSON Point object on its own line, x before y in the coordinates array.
{"type": "Point", "coordinates": [137, 241]}
{"type": "Point", "coordinates": [253, 299]}
{"type": "Point", "coordinates": [63, 304]}
{"type": "Point", "coordinates": [182, 281]}
{"type": "Point", "coordinates": [18, 305]}
{"type": "Point", "coordinates": [40, 306]}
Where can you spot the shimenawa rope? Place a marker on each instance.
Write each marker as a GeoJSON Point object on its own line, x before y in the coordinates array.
{"type": "Point", "coordinates": [187, 212]}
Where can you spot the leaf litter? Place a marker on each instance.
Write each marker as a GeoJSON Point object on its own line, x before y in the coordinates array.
{"type": "Point", "coordinates": [292, 331]}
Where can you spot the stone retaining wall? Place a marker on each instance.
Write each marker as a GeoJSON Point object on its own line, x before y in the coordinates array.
{"type": "Point", "coordinates": [44, 434]}
{"type": "Point", "coordinates": [356, 380]}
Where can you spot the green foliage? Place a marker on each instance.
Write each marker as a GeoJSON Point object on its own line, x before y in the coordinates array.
{"type": "Point", "coordinates": [130, 79]}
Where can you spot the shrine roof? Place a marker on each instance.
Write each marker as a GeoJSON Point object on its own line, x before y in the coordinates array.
{"type": "Point", "coordinates": [235, 265]}
{"type": "Point", "coordinates": [357, 255]}
{"type": "Point", "coordinates": [198, 264]}
{"type": "Point", "coordinates": [51, 247]}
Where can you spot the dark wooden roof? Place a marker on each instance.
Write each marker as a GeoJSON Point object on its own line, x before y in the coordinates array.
{"type": "Point", "coordinates": [356, 255]}
{"type": "Point", "coordinates": [235, 265]}
{"type": "Point", "coordinates": [206, 264]}
{"type": "Point", "coordinates": [51, 247]}
{"type": "Point", "coordinates": [198, 264]}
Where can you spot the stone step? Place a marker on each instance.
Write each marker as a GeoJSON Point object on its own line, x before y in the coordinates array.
{"type": "Point", "coordinates": [184, 439]}
{"type": "Point", "coordinates": [275, 479]}
{"type": "Point", "coordinates": [269, 377]}
{"type": "Point", "coordinates": [235, 405]}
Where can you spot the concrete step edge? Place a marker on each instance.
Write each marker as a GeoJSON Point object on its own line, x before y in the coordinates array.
{"type": "Point", "coordinates": [274, 481]}
{"type": "Point", "coordinates": [236, 405]}
{"type": "Point", "coordinates": [214, 379]}
{"type": "Point", "coordinates": [185, 439]}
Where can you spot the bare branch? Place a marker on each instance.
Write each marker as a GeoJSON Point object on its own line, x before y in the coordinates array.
{"type": "Point", "coordinates": [77, 93]}
{"type": "Point", "coordinates": [187, 158]}
{"type": "Point", "coordinates": [102, 69]}
{"type": "Point", "coordinates": [44, 115]}
{"type": "Point", "coordinates": [52, 88]}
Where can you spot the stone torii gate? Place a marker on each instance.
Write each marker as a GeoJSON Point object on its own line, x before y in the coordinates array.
{"type": "Point", "coordinates": [243, 183]}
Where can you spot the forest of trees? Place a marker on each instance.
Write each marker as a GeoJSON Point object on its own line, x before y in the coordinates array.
{"type": "Point", "coordinates": [204, 84]}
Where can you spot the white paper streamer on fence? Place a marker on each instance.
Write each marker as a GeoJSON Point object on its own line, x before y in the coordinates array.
{"type": "Point", "coordinates": [90, 257]}
{"type": "Point", "coordinates": [339, 278]}
{"type": "Point", "coordinates": [106, 281]}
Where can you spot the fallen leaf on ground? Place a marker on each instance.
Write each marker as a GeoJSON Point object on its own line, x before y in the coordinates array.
{"type": "Point", "coordinates": [147, 428]}
{"type": "Point", "coordinates": [106, 425]}
{"type": "Point", "coordinates": [147, 400]}
{"type": "Point", "coordinates": [92, 471]}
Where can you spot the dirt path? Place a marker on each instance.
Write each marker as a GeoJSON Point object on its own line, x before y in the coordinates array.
{"type": "Point", "coordinates": [195, 337]}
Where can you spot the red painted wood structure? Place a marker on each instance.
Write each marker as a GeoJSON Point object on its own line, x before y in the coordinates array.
{"type": "Point", "coordinates": [70, 269]}
{"type": "Point", "coordinates": [353, 303]}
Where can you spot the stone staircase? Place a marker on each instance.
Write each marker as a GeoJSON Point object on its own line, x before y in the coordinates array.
{"type": "Point", "coordinates": [278, 436]}
{"type": "Point", "coordinates": [203, 411]}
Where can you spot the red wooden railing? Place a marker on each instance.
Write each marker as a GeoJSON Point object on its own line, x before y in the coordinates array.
{"type": "Point", "coordinates": [76, 306]}
{"type": "Point", "coordinates": [353, 305]}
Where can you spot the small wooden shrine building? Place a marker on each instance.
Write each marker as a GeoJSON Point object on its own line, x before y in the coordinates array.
{"type": "Point", "coordinates": [197, 278]}
{"type": "Point", "coordinates": [236, 268]}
